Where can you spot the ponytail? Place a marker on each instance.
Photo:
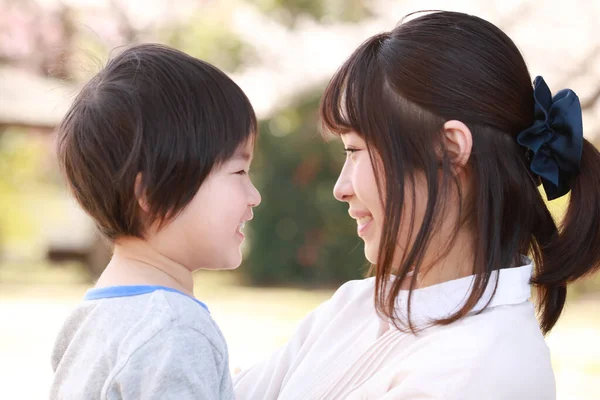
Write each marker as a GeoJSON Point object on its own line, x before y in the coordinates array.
{"type": "Point", "coordinates": [574, 251]}
{"type": "Point", "coordinates": [562, 160]}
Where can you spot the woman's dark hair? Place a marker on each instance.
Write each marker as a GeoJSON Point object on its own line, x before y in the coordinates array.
{"type": "Point", "coordinates": [157, 112]}
{"type": "Point", "coordinates": [396, 91]}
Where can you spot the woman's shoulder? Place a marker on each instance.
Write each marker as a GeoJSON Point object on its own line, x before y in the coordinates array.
{"type": "Point", "coordinates": [511, 331]}
{"type": "Point", "coordinates": [500, 350]}
{"type": "Point", "coordinates": [352, 299]}
{"type": "Point", "coordinates": [354, 288]}
{"type": "Point", "coordinates": [354, 296]}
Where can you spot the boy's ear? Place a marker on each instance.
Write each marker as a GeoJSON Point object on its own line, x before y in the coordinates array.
{"type": "Point", "coordinates": [458, 142]}
{"type": "Point", "coordinates": [140, 193]}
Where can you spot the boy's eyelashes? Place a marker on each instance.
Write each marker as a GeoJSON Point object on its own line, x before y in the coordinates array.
{"type": "Point", "coordinates": [242, 172]}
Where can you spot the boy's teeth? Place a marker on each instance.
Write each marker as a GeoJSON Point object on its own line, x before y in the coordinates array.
{"type": "Point", "coordinates": [242, 225]}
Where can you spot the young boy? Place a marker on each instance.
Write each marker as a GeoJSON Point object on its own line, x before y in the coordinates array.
{"type": "Point", "coordinates": [156, 149]}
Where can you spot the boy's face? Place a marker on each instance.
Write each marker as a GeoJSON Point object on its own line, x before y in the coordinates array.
{"type": "Point", "coordinates": [208, 233]}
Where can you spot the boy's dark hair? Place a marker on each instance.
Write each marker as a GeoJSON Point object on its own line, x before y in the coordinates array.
{"type": "Point", "coordinates": [156, 112]}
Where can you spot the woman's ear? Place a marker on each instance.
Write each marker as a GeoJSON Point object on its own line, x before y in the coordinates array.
{"type": "Point", "coordinates": [140, 193]}
{"type": "Point", "coordinates": [458, 141]}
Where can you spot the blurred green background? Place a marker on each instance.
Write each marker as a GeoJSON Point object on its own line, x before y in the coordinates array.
{"type": "Point", "coordinates": [302, 244]}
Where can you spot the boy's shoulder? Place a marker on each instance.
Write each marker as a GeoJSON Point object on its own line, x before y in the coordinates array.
{"type": "Point", "coordinates": [123, 340]}
{"type": "Point", "coordinates": [119, 325]}
{"type": "Point", "coordinates": [168, 310]}
{"type": "Point", "coordinates": [189, 314]}
{"type": "Point", "coordinates": [144, 306]}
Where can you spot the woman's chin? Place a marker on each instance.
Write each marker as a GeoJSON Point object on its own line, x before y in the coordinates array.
{"type": "Point", "coordinates": [371, 254]}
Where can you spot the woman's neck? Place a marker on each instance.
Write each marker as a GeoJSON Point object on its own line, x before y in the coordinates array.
{"type": "Point", "coordinates": [135, 262]}
{"type": "Point", "coordinates": [444, 263]}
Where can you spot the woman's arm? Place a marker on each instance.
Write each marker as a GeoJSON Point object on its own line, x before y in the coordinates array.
{"type": "Point", "coordinates": [266, 379]}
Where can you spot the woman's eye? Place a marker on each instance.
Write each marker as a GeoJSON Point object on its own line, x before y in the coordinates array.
{"type": "Point", "coordinates": [349, 151]}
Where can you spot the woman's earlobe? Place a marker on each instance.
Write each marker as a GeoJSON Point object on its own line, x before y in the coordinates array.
{"type": "Point", "coordinates": [458, 142]}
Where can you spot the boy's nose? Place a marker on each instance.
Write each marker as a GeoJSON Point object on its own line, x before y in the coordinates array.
{"type": "Point", "coordinates": [255, 197]}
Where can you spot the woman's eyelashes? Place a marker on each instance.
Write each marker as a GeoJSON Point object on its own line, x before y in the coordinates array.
{"type": "Point", "coordinates": [348, 151]}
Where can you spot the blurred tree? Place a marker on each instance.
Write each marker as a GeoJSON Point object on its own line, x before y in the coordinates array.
{"type": "Point", "coordinates": [289, 11]}
{"type": "Point", "coordinates": [204, 33]}
{"type": "Point", "coordinates": [300, 233]}
{"type": "Point", "coordinates": [22, 172]}
{"type": "Point", "coordinates": [35, 38]}
{"type": "Point", "coordinates": [208, 37]}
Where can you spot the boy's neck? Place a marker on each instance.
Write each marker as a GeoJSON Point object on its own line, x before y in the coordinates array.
{"type": "Point", "coordinates": [135, 262]}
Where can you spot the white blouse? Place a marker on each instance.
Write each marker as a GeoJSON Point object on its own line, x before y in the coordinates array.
{"type": "Point", "coordinates": [344, 350]}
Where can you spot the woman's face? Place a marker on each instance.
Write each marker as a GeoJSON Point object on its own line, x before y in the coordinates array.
{"type": "Point", "coordinates": [357, 186]}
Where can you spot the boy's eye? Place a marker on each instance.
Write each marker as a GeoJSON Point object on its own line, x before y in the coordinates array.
{"type": "Point", "coordinates": [242, 172]}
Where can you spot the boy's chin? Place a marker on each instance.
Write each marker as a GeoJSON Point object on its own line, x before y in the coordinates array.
{"type": "Point", "coordinates": [231, 267]}
{"type": "Point", "coordinates": [233, 263]}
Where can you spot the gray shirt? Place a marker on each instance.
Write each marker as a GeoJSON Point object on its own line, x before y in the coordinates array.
{"type": "Point", "coordinates": [140, 342]}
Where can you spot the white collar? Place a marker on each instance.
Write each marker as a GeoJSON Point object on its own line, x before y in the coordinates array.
{"type": "Point", "coordinates": [444, 299]}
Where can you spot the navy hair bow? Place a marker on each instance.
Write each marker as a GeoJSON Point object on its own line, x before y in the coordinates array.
{"type": "Point", "coordinates": [555, 140]}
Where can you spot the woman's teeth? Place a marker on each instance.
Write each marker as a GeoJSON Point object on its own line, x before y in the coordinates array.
{"type": "Point", "coordinates": [364, 220]}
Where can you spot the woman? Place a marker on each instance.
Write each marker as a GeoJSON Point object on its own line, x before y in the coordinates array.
{"type": "Point", "coordinates": [447, 142]}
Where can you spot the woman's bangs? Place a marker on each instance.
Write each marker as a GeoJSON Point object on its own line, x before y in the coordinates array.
{"type": "Point", "coordinates": [353, 91]}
